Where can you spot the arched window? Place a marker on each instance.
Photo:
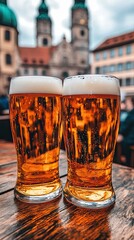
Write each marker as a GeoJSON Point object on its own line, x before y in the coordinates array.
{"type": "Point", "coordinates": [8, 59]}
{"type": "Point", "coordinates": [82, 33]}
{"type": "Point", "coordinates": [34, 61]}
{"type": "Point", "coordinates": [45, 42]}
{"type": "Point", "coordinates": [7, 35]}
{"type": "Point", "coordinates": [83, 61]}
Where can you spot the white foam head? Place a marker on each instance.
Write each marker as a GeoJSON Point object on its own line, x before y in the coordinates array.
{"type": "Point", "coordinates": [36, 84]}
{"type": "Point", "coordinates": [91, 84]}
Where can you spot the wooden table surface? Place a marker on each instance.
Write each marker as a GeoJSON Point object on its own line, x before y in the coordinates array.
{"type": "Point", "coordinates": [59, 219]}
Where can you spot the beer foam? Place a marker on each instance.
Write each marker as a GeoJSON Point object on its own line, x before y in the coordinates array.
{"type": "Point", "coordinates": [91, 84]}
{"type": "Point", "coordinates": [36, 84]}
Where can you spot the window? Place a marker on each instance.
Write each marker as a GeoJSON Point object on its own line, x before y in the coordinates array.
{"type": "Point", "coordinates": [26, 71]}
{"type": "Point", "coordinates": [97, 70]}
{"type": "Point", "coordinates": [128, 49]}
{"type": "Point", "coordinates": [7, 35]}
{"type": "Point", "coordinates": [104, 69]}
{"type": "Point", "coordinates": [34, 61]}
{"type": "Point", "coordinates": [128, 65]}
{"type": "Point", "coordinates": [18, 73]}
{"type": "Point", "coordinates": [82, 33]}
{"type": "Point", "coordinates": [97, 56]}
{"type": "Point", "coordinates": [112, 68]}
{"type": "Point", "coordinates": [120, 51]}
{"type": "Point", "coordinates": [112, 53]}
{"type": "Point", "coordinates": [83, 61]}
{"type": "Point", "coordinates": [25, 60]}
{"type": "Point", "coordinates": [65, 60]}
{"type": "Point", "coordinates": [120, 81]}
{"type": "Point", "coordinates": [43, 72]}
{"type": "Point", "coordinates": [120, 67]}
{"type": "Point", "coordinates": [35, 72]}
{"type": "Point", "coordinates": [41, 62]}
{"type": "Point", "coordinates": [45, 42]}
{"type": "Point", "coordinates": [8, 59]}
{"type": "Point", "coordinates": [104, 55]}
{"type": "Point", "coordinates": [128, 81]}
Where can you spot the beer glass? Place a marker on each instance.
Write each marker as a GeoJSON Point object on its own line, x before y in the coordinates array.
{"type": "Point", "coordinates": [35, 117]}
{"type": "Point", "coordinates": [91, 105]}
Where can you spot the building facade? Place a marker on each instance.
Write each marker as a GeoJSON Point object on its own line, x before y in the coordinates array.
{"type": "Point", "coordinates": [64, 59]}
{"type": "Point", "coordinates": [115, 56]}
{"type": "Point", "coordinates": [9, 55]}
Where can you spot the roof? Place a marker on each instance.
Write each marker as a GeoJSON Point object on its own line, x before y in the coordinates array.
{"type": "Point", "coordinates": [37, 55]}
{"type": "Point", "coordinates": [116, 41]}
{"type": "Point", "coordinates": [43, 12]}
{"type": "Point", "coordinates": [79, 4]}
{"type": "Point", "coordinates": [7, 16]}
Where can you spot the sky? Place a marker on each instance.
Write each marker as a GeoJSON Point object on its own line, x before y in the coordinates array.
{"type": "Point", "coordinates": [107, 18]}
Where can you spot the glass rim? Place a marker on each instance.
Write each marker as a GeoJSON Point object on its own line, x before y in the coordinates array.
{"type": "Point", "coordinates": [82, 76]}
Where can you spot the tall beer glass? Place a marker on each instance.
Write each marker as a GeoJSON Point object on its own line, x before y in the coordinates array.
{"type": "Point", "coordinates": [35, 116]}
{"type": "Point", "coordinates": [91, 105]}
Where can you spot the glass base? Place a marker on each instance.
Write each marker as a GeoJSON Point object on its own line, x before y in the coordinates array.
{"type": "Point", "coordinates": [38, 194]}
{"type": "Point", "coordinates": [93, 198]}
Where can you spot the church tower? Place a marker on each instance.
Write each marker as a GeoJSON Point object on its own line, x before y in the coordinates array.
{"type": "Point", "coordinates": [43, 26]}
{"type": "Point", "coordinates": [80, 34]}
{"type": "Point", "coordinates": [9, 54]}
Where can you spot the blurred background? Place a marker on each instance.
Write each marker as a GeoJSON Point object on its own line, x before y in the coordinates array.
{"type": "Point", "coordinates": [63, 38]}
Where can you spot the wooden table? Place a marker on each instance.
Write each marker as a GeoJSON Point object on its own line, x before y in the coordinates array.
{"type": "Point", "coordinates": [60, 220]}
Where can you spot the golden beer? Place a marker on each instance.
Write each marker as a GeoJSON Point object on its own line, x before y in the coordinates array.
{"type": "Point", "coordinates": [91, 124]}
{"type": "Point", "coordinates": [35, 121]}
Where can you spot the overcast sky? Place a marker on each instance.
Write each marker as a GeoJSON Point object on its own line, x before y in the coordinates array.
{"type": "Point", "coordinates": [107, 18]}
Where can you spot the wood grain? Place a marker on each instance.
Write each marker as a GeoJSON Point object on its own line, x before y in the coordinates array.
{"type": "Point", "coordinates": [60, 220]}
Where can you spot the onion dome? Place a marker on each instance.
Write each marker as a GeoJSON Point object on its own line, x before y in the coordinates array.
{"type": "Point", "coordinates": [79, 4]}
{"type": "Point", "coordinates": [7, 16]}
{"type": "Point", "coordinates": [43, 12]}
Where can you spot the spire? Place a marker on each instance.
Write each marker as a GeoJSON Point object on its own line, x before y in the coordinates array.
{"type": "Point", "coordinates": [3, 1]}
{"type": "Point", "coordinates": [64, 37]}
{"type": "Point", "coordinates": [80, 1]}
{"type": "Point", "coordinates": [43, 11]}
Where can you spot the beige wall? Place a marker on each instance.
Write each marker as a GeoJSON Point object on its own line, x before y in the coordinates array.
{"type": "Point", "coordinates": [8, 47]}
{"type": "Point", "coordinates": [31, 70]}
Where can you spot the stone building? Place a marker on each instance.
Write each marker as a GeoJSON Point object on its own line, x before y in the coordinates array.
{"type": "Point", "coordinates": [64, 59]}
{"type": "Point", "coordinates": [115, 56]}
{"type": "Point", "coordinates": [9, 56]}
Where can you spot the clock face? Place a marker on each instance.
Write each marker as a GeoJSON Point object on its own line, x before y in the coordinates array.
{"type": "Point", "coordinates": [80, 17]}
{"type": "Point", "coordinates": [82, 21]}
